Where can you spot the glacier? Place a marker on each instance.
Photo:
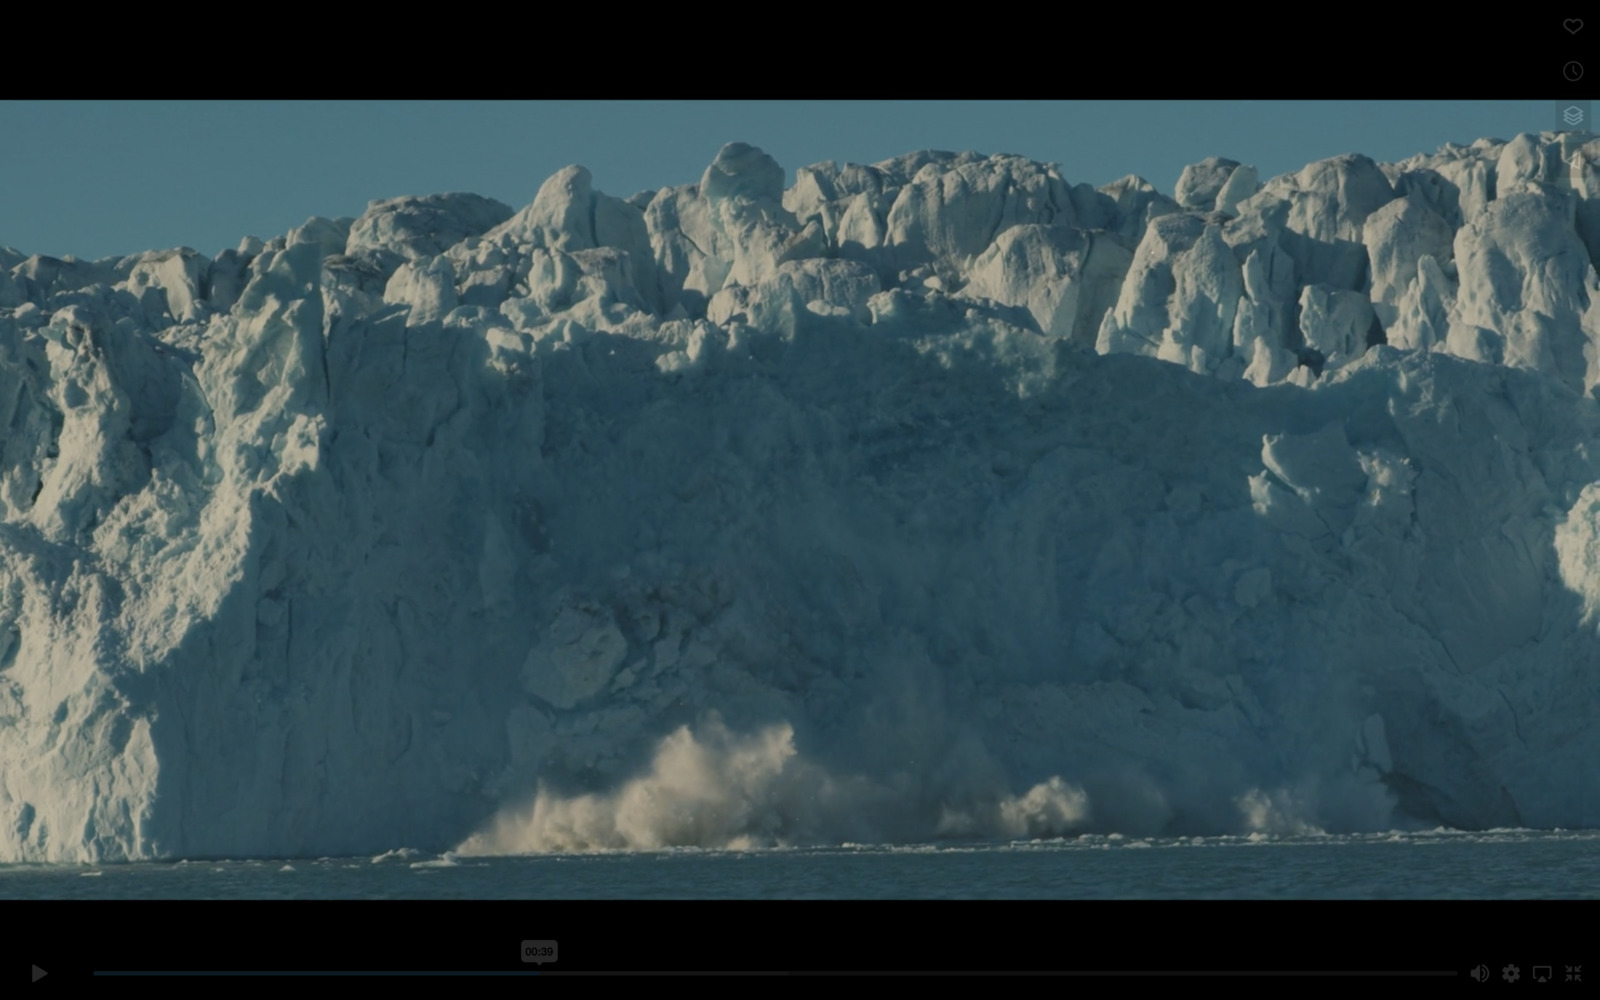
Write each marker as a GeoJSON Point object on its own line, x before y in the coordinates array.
{"type": "Point", "coordinates": [939, 497]}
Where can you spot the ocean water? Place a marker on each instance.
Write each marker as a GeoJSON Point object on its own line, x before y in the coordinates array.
{"type": "Point", "coordinates": [1440, 864]}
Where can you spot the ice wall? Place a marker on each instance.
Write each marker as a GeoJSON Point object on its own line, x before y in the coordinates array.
{"type": "Point", "coordinates": [863, 509]}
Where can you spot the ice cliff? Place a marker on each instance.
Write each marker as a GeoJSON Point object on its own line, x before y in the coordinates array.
{"type": "Point", "coordinates": [939, 497]}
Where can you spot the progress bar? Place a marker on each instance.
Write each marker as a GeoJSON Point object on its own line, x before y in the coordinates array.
{"type": "Point", "coordinates": [679, 972]}
{"type": "Point", "coordinates": [304, 973]}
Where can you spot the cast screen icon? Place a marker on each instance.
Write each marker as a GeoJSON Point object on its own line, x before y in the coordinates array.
{"type": "Point", "coordinates": [1542, 973]}
{"type": "Point", "coordinates": [1573, 71]}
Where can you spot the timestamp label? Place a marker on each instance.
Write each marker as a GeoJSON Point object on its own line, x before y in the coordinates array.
{"type": "Point", "coordinates": [539, 952]}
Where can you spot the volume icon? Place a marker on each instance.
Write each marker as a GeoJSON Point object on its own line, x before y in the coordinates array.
{"type": "Point", "coordinates": [1481, 973]}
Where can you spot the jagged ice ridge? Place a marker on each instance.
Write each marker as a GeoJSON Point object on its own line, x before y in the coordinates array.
{"type": "Point", "coordinates": [939, 497]}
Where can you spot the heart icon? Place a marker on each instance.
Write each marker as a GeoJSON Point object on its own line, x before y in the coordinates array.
{"type": "Point", "coordinates": [1573, 25]}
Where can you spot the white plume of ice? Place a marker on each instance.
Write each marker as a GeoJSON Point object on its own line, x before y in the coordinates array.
{"type": "Point", "coordinates": [716, 791]}
{"type": "Point", "coordinates": [870, 509]}
{"type": "Point", "coordinates": [726, 791]}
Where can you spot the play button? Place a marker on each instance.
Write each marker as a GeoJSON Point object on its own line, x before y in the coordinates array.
{"type": "Point", "coordinates": [38, 973]}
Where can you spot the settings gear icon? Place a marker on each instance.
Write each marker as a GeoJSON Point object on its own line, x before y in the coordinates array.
{"type": "Point", "coordinates": [1510, 973]}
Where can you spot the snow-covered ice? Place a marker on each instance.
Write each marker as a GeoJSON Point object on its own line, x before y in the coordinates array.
{"type": "Point", "coordinates": [934, 498]}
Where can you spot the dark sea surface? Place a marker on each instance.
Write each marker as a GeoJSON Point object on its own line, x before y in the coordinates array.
{"type": "Point", "coordinates": [1440, 864]}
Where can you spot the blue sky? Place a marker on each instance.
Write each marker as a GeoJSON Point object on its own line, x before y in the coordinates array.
{"type": "Point", "coordinates": [97, 179]}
